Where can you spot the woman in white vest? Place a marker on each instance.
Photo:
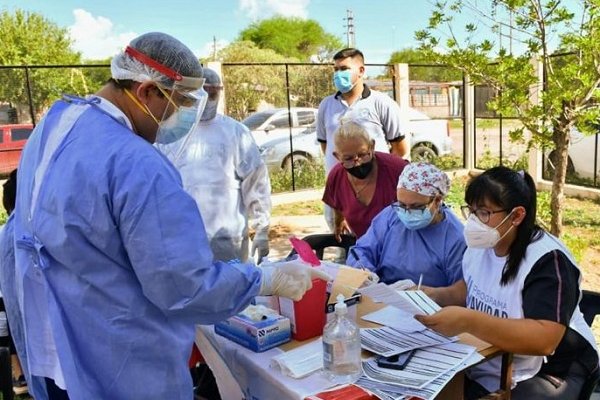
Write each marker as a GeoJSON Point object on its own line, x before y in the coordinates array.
{"type": "Point", "coordinates": [520, 292]}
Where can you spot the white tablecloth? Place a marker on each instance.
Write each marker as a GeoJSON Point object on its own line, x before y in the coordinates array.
{"type": "Point", "coordinates": [239, 370]}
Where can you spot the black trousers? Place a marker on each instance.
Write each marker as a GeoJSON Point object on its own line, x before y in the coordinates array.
{"type": "Point", "coordinates": [541, 386]}
{"type": "Point", "coordinates": [54, 392]}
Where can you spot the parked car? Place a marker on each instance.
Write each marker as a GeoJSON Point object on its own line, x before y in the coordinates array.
{"type": "Point", "coordinates": [277, 155]}
{"type": "Point", "coordinates": [275, 123]}
{"type": "Point", "coordinates": [12, 141]}
{"type": "Point", "coordinates": [581, 157]}
{"type": "Point", "coordinates": [429, 139]}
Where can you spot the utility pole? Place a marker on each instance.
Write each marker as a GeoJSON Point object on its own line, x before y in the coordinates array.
{"type": "Point", "coordinates": [350, 40]}
{"type": "Point", "coordinates": [510, 32]}
{"type": "Point", "coordinates": [214, 48]}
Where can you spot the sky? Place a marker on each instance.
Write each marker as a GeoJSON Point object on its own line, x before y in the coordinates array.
{"type": "Point", "coordinates": [100, 28]}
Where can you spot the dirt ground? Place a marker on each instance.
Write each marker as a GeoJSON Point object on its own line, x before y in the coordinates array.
{"type": "Point", "coordinates": [590, 265]}
{"type": "Point", "coordinates": [591, 280]}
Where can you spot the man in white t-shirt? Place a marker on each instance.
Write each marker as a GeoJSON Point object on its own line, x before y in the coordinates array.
{"type": "Point", "coordinates": [355, 101]}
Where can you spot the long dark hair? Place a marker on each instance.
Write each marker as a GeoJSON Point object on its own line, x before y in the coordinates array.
{"type": "Point", "coordinates": [509, 189]}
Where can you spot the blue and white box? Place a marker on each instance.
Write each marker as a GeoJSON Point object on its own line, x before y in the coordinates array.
{"type": "Point", "coordinates": [269, 332]}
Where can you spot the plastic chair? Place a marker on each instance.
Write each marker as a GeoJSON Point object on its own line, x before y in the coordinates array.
{"type": "Point", "coordinates": [320, 241]}
{"type": "Point", "coordinates": [590, 307]}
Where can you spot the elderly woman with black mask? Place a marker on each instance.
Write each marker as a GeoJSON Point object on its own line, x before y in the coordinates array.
{"type": "Point", "coordinates": [363, 182]}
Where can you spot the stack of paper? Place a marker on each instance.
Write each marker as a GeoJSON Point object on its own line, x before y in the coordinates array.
{"type": "Point", "coordinates": [388, 341]}
{"type": "Point", "coordinates": [462, 356]}
{"type": "Point", "coordinates": [436, 361]}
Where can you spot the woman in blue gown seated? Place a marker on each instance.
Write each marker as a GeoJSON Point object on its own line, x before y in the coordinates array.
{"type": "Point", "coordinates": [417, 237]}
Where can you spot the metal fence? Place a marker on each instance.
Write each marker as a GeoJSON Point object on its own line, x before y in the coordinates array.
{"type": "Point", "coordinates": [437, 93]}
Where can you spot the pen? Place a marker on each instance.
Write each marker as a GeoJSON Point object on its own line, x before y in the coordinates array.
{"type": "Point", "coordinates": [360, 264]}
{"type": "Point", "coordinates": [420, 281]}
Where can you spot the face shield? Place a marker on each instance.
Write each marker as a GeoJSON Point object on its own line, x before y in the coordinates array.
{"type": "Point", "coordinates": [186, 100]}
{"type": "Point", "coordinates": [182, 114]}
{"type": "Point", "coordinates": [212, 104]}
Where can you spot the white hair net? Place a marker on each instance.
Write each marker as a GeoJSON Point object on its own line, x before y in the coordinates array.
{"type": "Point", "coordinates": [163, 49]}
{"type": "Point", "coordinates": [211, 77]}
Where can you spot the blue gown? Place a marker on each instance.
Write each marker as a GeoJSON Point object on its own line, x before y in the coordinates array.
{"type": "Point", "coordinates": [394, 252]}
{"type": "Point", "coordinates": [113, 264]}
{"type": "Point", "coordinates": [13, 312]}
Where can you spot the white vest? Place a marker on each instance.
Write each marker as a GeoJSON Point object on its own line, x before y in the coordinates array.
{"type": "Point", "coordinates": [482, 271]}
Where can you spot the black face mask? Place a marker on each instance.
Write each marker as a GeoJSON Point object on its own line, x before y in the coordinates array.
{"type": "Point", "coordinates": [361, 171]}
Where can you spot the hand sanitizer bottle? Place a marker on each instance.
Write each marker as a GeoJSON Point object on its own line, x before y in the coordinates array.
{"type": "Point", "coordinates": [341, 347]}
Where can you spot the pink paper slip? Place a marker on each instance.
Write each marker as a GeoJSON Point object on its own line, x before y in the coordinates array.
{"type": "Point", "coordinates": [305, 252]}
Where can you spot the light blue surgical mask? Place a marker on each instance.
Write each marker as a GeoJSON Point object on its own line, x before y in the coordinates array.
{"type": "Point", "coordinates": [177, 125]}
{"type": "Point", "coordinates": [343, 80]}
{"type": "Point", "coordinates": [414, 219]}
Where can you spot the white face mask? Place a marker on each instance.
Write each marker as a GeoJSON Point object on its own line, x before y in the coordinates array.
{"type": "Point", "coordinates": [480, 236]}
{"type": "Point", "coordinates": [210, 110]}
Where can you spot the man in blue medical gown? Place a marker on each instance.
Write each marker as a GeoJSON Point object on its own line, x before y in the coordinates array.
{"type": "Point", "coordinates": [113, 267]}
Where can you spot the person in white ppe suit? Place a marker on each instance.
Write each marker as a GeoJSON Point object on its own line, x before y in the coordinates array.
{"type": "Point", "coordinates": [113, 266]}
{"type": "Point", "coordinates": [221, 168]}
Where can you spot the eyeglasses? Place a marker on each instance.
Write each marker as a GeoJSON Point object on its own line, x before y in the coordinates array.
{"type": "Point", "coordinates": [483, 215]}
{"type": "Point", "coordinates": [412, 207]}
{"type": "Point", "coordinates": [350, 161]}
{"type": "Point", "coordinates": [213, 90]}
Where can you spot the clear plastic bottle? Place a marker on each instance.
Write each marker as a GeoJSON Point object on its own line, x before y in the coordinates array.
{"type": "Point", "coordinates": [341, 347]}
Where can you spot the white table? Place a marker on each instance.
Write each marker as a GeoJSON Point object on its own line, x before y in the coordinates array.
{"type": "Point", "coordinates": [244, 374]}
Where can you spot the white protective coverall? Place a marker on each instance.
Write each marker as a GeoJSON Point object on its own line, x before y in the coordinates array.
{"type": "Point", "coordinates": [221, 169]}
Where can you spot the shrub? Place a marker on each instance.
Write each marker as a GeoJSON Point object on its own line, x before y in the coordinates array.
{"type": "Point", "coordinates": [308, 175]}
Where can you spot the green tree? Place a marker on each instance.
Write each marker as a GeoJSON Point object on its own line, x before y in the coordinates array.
{"type": "Point", "coordinates": [309, 84]}
{"type": "Point", "coordinates": [96, 74]}
{"type": "Point", "coordinates": [570, 94]}
{"type": "Point", "coordinates": [428, 73]}
{"type": "Point", "coordinates": [248, 85]}
{"type": "Point", "coordinates": [292, 37]}
{"type": "Point", "coordinates": [30, 39]}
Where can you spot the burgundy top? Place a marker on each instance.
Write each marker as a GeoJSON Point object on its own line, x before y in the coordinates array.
{"type": "Point", "coordinates": [340, 195]}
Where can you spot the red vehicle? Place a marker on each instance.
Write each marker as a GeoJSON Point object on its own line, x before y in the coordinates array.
{"type": "Point", "coordinates": [12, 141]}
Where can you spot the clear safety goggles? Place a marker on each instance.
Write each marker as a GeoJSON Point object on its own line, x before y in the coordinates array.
{"type": "Point", "coordinates": [180, 98]}
{"type": "Point", "coordinates": [213, 90]}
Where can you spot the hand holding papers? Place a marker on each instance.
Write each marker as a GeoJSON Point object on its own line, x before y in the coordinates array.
{"type": "Point", "coordinates": [450, 320]}
{"type": "Point", "coordinates": [401, 332]}
{"type": "Point", "coordinates": [411, 301]}
{"type": "Point", "coordinates": [346, 280]}
{"type": "Point", "coordinates": [435, 362]}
